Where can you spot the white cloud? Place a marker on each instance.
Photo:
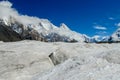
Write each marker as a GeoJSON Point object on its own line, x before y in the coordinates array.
{"type": "Point", "coordinates": [111, 18]}
{"type": "Point", "coordinates": [6, 11]}
{"type": "Point", "coordinates": [100, 27]}
{"type": "Point", "coordinates": [6, 4]}
{"type": "Point", "coordinates": [101, 32]}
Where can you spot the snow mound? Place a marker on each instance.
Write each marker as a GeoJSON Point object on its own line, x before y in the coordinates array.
{"type": "Point", "coordinates": [112, 56]}
{"type": "Point", "coordinates": [30, 60]}
{"type": "Point", "coordinates": [84, 69]}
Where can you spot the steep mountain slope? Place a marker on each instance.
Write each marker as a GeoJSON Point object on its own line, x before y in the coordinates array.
{"type": "Point", "coordinates": [35, 28]}
{"type": "Point", "coordinates": [116, 36]}
{"type": "Point", "coordinates": [7, 34]}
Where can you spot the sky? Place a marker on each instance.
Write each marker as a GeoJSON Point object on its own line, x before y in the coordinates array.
{"type": "Point", "coordinates": [91, 17]}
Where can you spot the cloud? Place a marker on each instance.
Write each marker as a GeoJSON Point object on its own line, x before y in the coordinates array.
{"type": "Point", "coordinates": [111, 18]}
{"type": "Point", "coordinates": [100, 27]}
{"type": "Point", "coordinates": [101, 32]}
{"type": "Point", "coordinates": [6, 11]}
{"type": "Point", "coordinates": [6, 4]}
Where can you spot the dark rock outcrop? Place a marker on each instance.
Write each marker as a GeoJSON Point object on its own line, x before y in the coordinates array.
{"type": "Point", "coordinates": [8, 35]}
{"type": "Point", "coordinates": [58, 57]}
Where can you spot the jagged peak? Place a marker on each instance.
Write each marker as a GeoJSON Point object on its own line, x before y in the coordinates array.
{"type": "Point", "coordinates": [17, 21]}
{"type": "Point", "coordinates": [116, 35]}
{"type": "Point", "coordinates": [64, 26]}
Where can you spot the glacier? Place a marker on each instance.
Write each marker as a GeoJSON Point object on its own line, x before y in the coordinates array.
{"type": "Point", "coordinates": [34, 28]}
{"type": "Point", "coordinates": [29, 60]}
{"type": "Point", "coordinates": [31, 56]}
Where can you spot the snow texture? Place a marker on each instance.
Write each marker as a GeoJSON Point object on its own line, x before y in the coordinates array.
{"type": "Point", "coordinates": [29, 60]}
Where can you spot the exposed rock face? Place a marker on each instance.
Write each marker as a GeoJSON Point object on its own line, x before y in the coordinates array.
{"type": "Point", "coordinates": [57, 57]}
{"type": "Point", "coordinates": [7, 34]}
{"type": "Point", "coordinates": [16, 32]}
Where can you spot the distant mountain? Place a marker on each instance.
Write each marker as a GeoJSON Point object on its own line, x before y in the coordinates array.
{"type": "Point", "coordinates": [115, 37]}
{"type": "Point", "coordinates": [6, 34]}
{"type": "Point", "coordinates": [43, 30]}
{"type": "Point", "coordinates": [14, 26]}
{"type": "Point", "coordinates": [34, 28]}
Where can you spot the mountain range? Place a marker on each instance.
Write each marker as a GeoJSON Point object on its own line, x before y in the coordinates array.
{"type": "Point", "coordinates": [14, 27]}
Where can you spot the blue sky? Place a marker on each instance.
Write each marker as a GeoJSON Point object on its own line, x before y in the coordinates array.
{"type": "Point", "coordinates": [91, 17]}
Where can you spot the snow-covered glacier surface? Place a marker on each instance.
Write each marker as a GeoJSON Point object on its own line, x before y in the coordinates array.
{"type": "Point", "coordinates": [29, 60]}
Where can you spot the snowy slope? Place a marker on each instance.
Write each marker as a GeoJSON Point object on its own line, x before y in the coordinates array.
{"type": "Point", "coordinates": [116, 35]}
{"type": "Point", "coordinates": [29, 60]}
{"type": "Point", "coordinates": [90, 62]}
{"type": "Point", "coordinates": [35, 60]}
{"type": "Point", "coordinates": [28, 26]}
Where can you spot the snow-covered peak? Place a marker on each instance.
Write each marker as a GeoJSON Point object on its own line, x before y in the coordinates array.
{"type": "Point", "coordinates": [14, 16]}
{"type": "Point", "coordinates": [9, 14]}
{"type": "Point", "coordinates": [116, 35]}
{"type": "Point", "coordinates": [34, 26]}
{"type": "Point", "coordinates": [96, 38]}
{"type": "Point", "coordinates": [105, 39]}
{"type": "Point", "coordinates": [64, 27]}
